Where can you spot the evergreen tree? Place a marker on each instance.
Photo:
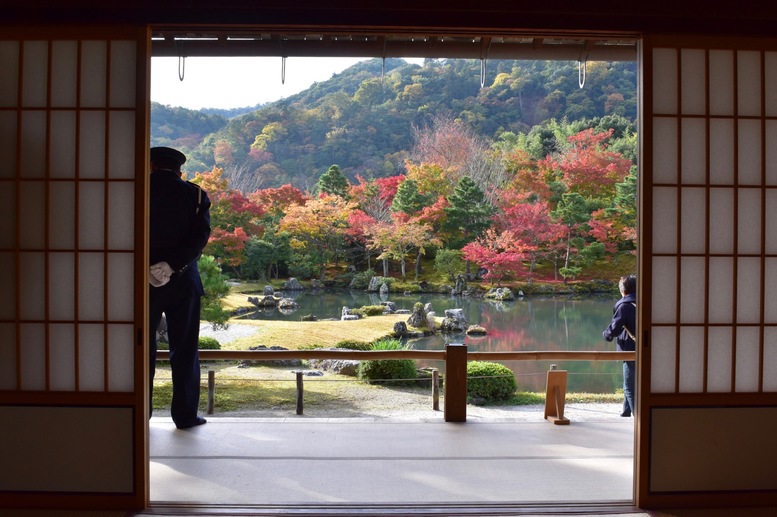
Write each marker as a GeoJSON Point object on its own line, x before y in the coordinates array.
{"type": "Point", "coordinates": [216, 288]}
{"type": "Point", "coordinates": [408, 200]}
{"type": "Point", "coordinates": [333, 182]}
{"type": "Point", "coordinates": [469, 213]}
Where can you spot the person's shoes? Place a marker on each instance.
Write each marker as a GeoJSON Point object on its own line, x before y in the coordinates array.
{"type": "Point", "coordinates": [197, 421]}
{"type": "Point", "coordinates": [626, 413]}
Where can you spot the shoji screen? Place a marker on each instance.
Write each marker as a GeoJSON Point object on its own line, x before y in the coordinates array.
{"type": "Point", "coordinates": [72, 138]}
{"type": "Point", "coordinates": [709, 207]}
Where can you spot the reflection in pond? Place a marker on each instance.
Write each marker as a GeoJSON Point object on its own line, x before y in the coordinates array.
{"type": "Point", "coordinates": [525, 324]}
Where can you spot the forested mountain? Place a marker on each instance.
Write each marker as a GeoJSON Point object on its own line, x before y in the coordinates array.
{"type": "Point", "coordinates": [180, 127]}
{"type": "Point", "coordinates": [364, 119]}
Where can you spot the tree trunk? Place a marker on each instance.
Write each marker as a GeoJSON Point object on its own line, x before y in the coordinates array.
{"type": "Point", "coordinates": [417, 264]}
{"type": "Point", "coordinates": [402, 265]}
{"type": "Point", "coordinates": [385, 267]}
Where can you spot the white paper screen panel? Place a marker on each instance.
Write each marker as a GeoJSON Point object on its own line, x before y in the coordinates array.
{"type": "Point", "coordinates": [720, 359]}
{"type": "Point", "coordinates": [665, 220]}
{"type": "Point", "coordinates": [64, 76]}
{"type": "Point", "coordinates": [721, 220]}
{"type": "Point", "coordinates": [694, 148]}
{"type": "Point", "coordinates": [749, 166]}
{"type": "Point", "coordinates": [67, 215]}
{"type": "Point", "coordinates": [770, 84]}
{"type": "Point", "coordinates": [62, 146]}
{"type": "Point", "coordinates": [722, 152]}
{"type": "Point", "coordinates": [32, 158]}
{"type": "Point", "coordinates": [664, 353]}
{"type": "Point", "coordinates": [749, 92]}
{"type": "Point", "coordinates": [714, 221]}
{"type": "Point", "coordinates": [692, 77]}
{"type": "Point", "coordinates": [722, 76]}
{"type": "Point", "coordinates": [35, 77]}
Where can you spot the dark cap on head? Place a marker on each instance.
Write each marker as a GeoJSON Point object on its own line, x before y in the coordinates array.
{"type": "Point", "coordinates": [167, 153]}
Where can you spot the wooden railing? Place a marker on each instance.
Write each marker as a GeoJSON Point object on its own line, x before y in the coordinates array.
{"type": "Point", "coordinates": [455, 357]}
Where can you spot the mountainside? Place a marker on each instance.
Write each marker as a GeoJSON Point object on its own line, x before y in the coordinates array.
{"type": "Point", "coordinates": [363, 118]}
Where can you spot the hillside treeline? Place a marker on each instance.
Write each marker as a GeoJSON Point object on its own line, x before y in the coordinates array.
{"type": "Point", "coordinates": [366, 119]}
{"type": "Point", "coordinates": [548, 203]}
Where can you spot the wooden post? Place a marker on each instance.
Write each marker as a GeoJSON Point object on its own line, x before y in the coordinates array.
{"type": "Point", "coordinates": [455, 382]}
{"type": "Point", "coordinates": [211, 390]}
{"type": "Point", "coordinates": [436, 389]}
{"type": "Point", "coordinates": [555, 393]}
{"type": "Point", "coordinates": [299, 392]}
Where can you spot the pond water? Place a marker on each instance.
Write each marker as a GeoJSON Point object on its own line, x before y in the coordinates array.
{"type": "Point", "coordinates": [526, 324]}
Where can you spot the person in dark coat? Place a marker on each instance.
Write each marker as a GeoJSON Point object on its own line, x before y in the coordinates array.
{"type": "Point", "coordinates": [179, 229]}
{"type": "Point", "coordinates": [623, 328]}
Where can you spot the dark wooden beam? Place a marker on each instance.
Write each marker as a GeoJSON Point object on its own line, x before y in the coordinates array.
{"type": "Point", "coordinates": [643, 16]}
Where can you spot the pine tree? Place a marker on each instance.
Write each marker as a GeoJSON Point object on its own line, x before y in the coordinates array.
{"type": "Point", "coordinates": [468, 212]}
{"type": "Point", "coordinates": [408, 200]}
{"type": "Point", "coordinates": [333, 182]}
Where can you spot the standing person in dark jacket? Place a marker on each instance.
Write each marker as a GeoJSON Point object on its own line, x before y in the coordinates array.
{"type": "Point", "coordinates": [623, 328]}
{"type": "Point", "coordinates": [179, 228]}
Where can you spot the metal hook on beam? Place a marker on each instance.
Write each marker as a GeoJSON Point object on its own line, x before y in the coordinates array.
{"type": "Point", "coordinates": [582, 65]}
{"type": "Point", "coordinates": [181, 60]}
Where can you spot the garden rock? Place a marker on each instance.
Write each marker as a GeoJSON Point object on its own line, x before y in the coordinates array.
{"type": "Point", "coordinates": [287, 303]}
{"type": "Point", "coordinates": [375, 283]}
{"type": "Point", "coordinates": [264, 301]}
{"type": "Point", "coordinates": [346, 315]}
{"type": "Point", "coordinates": [400, 329]}
{"type": "Point", "coordinates": [431, 323]}
{"type": "Point", "coordinates": [461, 284]}
{"type": "Point", "coordinates": [340, 366]}
{"type": "Point", "coordinates": [292, 284]}
{"type": "Point", "coordinates": [476, 330]}
{"type": "Point", "coordinates": [500, 293]}
{"type": "Point", "coordinates": [454, 321]}
{"type": "Point", "coordinates": [389, 307]}
{"type": "Point", "coordinates": [417, 317]}
{"type": "Point", "coordinates": [268, 290]}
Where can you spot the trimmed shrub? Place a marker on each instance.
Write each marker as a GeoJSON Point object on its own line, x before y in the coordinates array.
{"type": "Point", "coordinates": [369, 310]}
{"type": "Point", "coordinates": [379, 371]}
{"type": "Point", "coordinates": [353, 345]}
{"type": "Point", "coordinates": [490, 381]}
{"type": "Point", "coordinates": [209, 343]}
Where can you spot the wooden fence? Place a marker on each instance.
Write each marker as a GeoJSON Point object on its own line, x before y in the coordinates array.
{"type": "Point", "coordinates": [455, 357]}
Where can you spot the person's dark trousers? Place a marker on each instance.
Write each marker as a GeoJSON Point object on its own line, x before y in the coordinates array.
{"type": "Point", "coordinates": [181, 307]}
{"type": "Point", "coordinates": [629, 375]}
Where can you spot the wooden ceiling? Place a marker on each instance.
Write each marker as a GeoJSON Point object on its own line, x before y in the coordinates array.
{"type": "Point", "coordinates": [711, 16]}
{"type": "Point", "coordinates": [494, 29]}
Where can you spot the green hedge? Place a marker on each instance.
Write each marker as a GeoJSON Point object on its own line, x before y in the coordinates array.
{"type": "Point", "coordinates": [490, 381]}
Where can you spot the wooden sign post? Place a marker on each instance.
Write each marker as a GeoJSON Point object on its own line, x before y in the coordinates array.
{"type": "Point", "coordinates": [555, 393]}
